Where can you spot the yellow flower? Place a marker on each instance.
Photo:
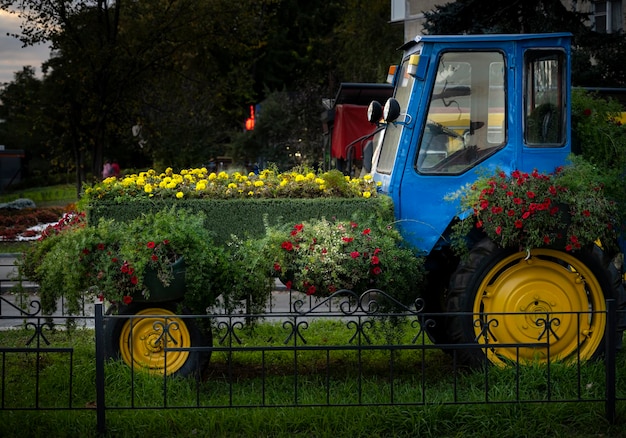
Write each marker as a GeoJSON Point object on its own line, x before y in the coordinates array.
{"type": "Point", "coordinates": [366, 195]}
{"type": "Point", "coordinates": [232, 186]}
{"type": "Point", "coordinates": [299, 178]}
{"type": "Point", "coordinates": [201, 186]}
{"type": "Point", "coordinates": [180, 195]}
{"type": "Point", "coordinates": [258, 184]}
{"type": "Point", "coordinates": [147, 188]}
{"type": "Point", "coordinates": [250, 193]}
{"type": "Point", "coordinates": [367, 177]}
{"type": "Point", "coordinates": [212, 176]}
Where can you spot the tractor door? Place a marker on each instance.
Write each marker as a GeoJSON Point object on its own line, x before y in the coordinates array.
{"type": "Point", "coordinates": [463, 124]}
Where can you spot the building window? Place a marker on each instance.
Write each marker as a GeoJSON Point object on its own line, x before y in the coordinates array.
{"type": "Point", "coordinates": [607, 16]}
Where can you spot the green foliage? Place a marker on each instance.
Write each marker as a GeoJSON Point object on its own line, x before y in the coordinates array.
{"type": "Point", "coordinates": [600, 139]}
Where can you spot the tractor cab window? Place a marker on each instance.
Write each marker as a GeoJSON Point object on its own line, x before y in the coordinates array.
{"type": "Point", "coordinates": [544, 82]}
{"type": "Point", "coordinates": [466, 120]}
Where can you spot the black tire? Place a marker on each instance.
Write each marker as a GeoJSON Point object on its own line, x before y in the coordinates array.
{"type": "Point", "coordinates": [145, 353]}
{"type": "Point", "coordinates": [435, 294]}
{"type": "Point", "coordinates": [525, 289]}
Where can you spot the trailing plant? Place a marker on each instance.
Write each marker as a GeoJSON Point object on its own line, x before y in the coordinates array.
{"type": "Point", "coordinates": [324, 256]}
{"type": "Point", "coordinates": [110, 260]}
{"type": "Point", "coordinates": [566, 209]}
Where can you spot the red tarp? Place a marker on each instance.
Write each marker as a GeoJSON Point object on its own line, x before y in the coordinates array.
{"type": "Point", "coordinates": [350, 123]}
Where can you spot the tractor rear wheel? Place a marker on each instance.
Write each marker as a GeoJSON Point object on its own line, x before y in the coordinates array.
{"type": "Point", "coordinates": [141, 341]}
{"type": "Point", "coordinates": [499, 296]}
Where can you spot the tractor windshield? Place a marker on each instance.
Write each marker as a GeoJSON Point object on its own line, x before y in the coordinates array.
{"type": "Point", "coordinates": [393, 131]}
{"type": "Point", "coordinates": [466, 120]}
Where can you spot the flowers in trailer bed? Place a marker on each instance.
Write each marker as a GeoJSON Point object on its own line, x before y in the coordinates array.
{"type": "Point", "coordinates": [200, 183]}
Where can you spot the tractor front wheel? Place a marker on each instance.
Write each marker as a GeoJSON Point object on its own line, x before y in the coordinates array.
{"type": "Point", "coordinates": [501, 298]}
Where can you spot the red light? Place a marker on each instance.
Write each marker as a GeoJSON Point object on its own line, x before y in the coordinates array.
{"type": "Point", "coordinates": [250, 120]}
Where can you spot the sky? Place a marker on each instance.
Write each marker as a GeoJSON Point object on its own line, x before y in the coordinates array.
{"type": "Point", "coordinates": [12, 55]}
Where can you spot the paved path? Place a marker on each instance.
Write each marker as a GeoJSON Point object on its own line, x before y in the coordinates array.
{"type": "Point", "coordinates": [14, 305]}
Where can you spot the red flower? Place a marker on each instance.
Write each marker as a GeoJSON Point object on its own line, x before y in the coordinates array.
{"type": "Point", "coordinates": [353, 224]}
{"type": "Point", "coordinates": [498, 230]}
{"type": "Point", "coordinates": [376, 251]}
{"type": "Point", "coordinates": [587, 112]}
{"type": "Point", "coordinates": [310, 290]}
{"type": "Point", "coordinates": [530, 194]}
{"type": "Point", "coordinates": [288, 284]}
{"type": "Point", "coordinates": [375, 260]}
{"type": "Point", "coordinates": [86, 251]}
{"type": "Point", "coordinates": [367, 231]}
{"type": "Point", "coordinates": [298, 227]}
{"type": "Point", "coordinates": [546, 239]}
{"type": "Point", "coordinates": [127, 299]}
{"type": "Point", "coordinates": [287, 245]}
{"type": "Point", "coordinates": [150, 244]}
{"type": "Point", "coordinates": [134, 280]}
{"type": "Point", "coordinates": [154, 257]}
{"type": "Point", "coordinates": [101, 246]}
{"type": "Point", "coordinates": [519, 224]}
{"type": "Point", "coordinates": [276, 267]}
{"type": "Point", "coordinates": [166, 242]}
{"type": "Point", "coordinates": [347, 239]}
{"type": "Point", "coordinates": [376, 270]}
{"type": "Point", "coordinates": [354, 254]}
{"type": "Point", "coordinates": [586, 213]}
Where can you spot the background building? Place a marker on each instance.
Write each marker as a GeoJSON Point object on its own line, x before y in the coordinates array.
{"type": "Point", "coordinates": [607, 15]}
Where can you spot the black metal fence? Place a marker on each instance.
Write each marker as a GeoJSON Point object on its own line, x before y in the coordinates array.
{"type": "Point", "coordinates": [385, 360]}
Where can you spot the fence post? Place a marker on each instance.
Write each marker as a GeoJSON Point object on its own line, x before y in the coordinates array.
{"type": "Point", "coordinates": [609, 359]}
{"type": "Point", "coordinates": [100, 403]}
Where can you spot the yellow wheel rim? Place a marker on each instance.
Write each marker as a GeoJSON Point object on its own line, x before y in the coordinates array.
{"type": "Point", "coordinates": [535, 298]}
{"type": "Point", "coordinates": [143, 341]}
